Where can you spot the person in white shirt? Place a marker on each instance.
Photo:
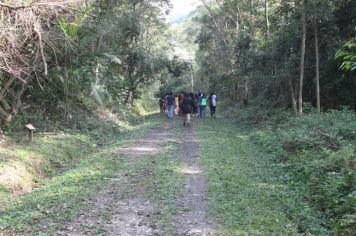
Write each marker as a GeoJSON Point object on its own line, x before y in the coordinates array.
{"type": "Point", "coordinates": [213, 102]}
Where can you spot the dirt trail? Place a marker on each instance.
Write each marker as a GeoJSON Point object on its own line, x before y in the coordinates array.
{"type": "Point", "coordinates": [150, 144]}
{"type": "Point", "coordinates": [131, 213]}
{"type": "Point", "coordinates": [124, 200]}
{"type": "Point", "coordinates": [194, 219]}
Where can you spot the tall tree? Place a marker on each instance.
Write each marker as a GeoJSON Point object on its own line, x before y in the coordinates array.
{"type": "Point", "coordinates": [317, 64]}
{"type": "Point", "coordinates": [302, 57]}
{"type": "Point", "coordinates": [267, 19]}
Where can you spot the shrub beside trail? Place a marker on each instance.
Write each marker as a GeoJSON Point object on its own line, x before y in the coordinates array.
{"type": "Point", "coordinates": [318, 152]}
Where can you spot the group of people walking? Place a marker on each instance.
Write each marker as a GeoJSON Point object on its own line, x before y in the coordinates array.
{"type": "Point", "coordinates": [187, 104]}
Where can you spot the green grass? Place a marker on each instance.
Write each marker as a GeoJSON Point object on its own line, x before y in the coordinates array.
{"type": "Point", "coordinates": [281, 177]}
{"type": "Point", "coordinates": [60, 199]}
{"type": "Point", "coordinates": [246, 197]}
{"type": "Point", "coordinates": [68, 169]}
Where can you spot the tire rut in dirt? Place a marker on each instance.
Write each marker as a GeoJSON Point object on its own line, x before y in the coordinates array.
{"type": "Point", "coordinates": [194, 205]}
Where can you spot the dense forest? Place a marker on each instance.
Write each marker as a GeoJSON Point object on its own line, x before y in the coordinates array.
{"type": "Point", "coordinates": [277, 53]}
{"type": "Point", "coordinates": [86, 71]}
{"type": "Point", "coordinates": [59, 56]}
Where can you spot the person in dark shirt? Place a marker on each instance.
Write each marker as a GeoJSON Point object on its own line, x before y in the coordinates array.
{"type": "Point", "coordinates": [170, 104]}
{"type": "Point", "coordinates": [199, 102]}
{"type": "Point", "coordinates": [212, 102]}
{"type": "Point", "coordinates": [195, 99]}
{"type": "Point", "coordinates": [187, 108]}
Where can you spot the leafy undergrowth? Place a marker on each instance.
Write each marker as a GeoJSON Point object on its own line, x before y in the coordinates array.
{"type": "Point", "coordinates": [280, 174]}
{"type": "Point", "coordinates": [45, 183]}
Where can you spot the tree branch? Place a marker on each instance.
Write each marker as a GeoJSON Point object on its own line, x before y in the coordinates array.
{"type": "Point", "coordinates": [37, 30]}
{"type": "Point", "coordinates": [215, 22]}
{"type": "Point", "coordinates": [222, 8]}
{"type": "Point", "coordinates": [6, 87]}
{"type": "Point", "coordinates": [45, 4]}
{"type": "Point", "coordinates": [59, 4]}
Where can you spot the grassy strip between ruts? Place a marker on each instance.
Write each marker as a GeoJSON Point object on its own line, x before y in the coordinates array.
{"type": "Point", "coordinates": [56, 201]}
{"type": "Point", "coordinates": [245, 194]}
{"type": "Point", "coordinates": [163, 181]}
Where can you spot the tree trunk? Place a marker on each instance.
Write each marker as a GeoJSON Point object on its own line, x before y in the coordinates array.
{"type": "Point", "coordinates": [251, 8]}
{"type": "Point", "coordinates": [302, 61]}
{"type": "Point", "coordinates": [317, 70]}
{"type": "Point", "coordinates": [292, 94]}
{"type": "Point", "coordinates": [129, 98]}
{"type": "Point", "coordinates": [16, 106]}
{"type": "Point", "coordinates": [238, 18]}
{"type": "Point", "coordinates": [267, 20]}
{"type": "Point", "coordinates": [192, 76]}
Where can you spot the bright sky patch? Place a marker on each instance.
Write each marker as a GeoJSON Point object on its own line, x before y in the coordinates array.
{"type": "Point", "coordinates": [181, 9]}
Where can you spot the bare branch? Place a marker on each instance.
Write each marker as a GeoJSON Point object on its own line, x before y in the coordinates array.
{"type": "Point", "coordinates": [212, 16]}
{"type": "Point", "coordinates": [37, 30]}
{"type": "Point", "coordinates": [6, 87]}
{"type": "Point", "coordinates": [220, 4]}
{"type": "Point", "coordinates": [38, 4]}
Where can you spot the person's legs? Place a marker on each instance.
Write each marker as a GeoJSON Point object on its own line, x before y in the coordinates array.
{"type": "Point", "coordinates": [211, 111]}
{"type": "Point", "coordinates": [214, 111]}
{"type": "Point", "coordinates": [188, 119]}
{"type": "Point", "coordinates": [203, 111]}
{"type": "Point", "coordinates": [172, 111]}
{"type": "Point", "coordinates": [198, 110]}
